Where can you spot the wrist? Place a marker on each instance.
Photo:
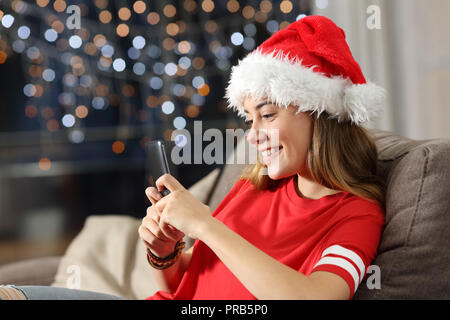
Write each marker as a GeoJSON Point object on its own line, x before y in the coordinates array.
{"type": "Point", "coordinates": [165, 262]}
{"type": "Point", "coordinates": [162, 254]}
{"type": "Point", "coordinates": [207, 227]}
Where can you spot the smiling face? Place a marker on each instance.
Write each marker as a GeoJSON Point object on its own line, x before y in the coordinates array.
{"type": "Point", "coordinates": [286, 134]}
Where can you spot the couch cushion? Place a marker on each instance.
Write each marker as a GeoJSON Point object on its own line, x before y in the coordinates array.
{"type": "Point", "coordinates": [106, 257]}
{"type": "Point", "coordinates": [32, 272]}
{"type": "Point", "coordinates": [414, 252]}
{"type": "Point", "coordinates": [230, 172]}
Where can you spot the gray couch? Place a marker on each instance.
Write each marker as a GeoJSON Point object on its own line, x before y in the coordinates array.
{"type": "Point", "coordinates": [414, 253]}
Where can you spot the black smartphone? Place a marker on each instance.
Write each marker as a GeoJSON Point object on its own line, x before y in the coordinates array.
{"type": "Point", "coordinates": [157, 164]}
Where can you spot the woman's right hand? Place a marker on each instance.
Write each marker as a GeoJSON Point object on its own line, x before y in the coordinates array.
{"type": "Point", "coordinates": [161, 242]}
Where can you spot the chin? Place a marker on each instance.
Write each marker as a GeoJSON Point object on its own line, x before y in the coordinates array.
{"type": "Point", "coordinates": [277, 174]}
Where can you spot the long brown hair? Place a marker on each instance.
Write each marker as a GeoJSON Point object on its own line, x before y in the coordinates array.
{"type": "Point", "coordinates": [341, 156]}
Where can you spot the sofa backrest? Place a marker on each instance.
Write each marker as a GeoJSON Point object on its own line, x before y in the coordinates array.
{"type": "Point", "coordinates": [414, 252]}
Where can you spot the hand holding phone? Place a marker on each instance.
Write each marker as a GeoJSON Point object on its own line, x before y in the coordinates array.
{"type": "Point", "coordinates": [160, 241]}
{"type": "Point", "coordinates": [157, 164]}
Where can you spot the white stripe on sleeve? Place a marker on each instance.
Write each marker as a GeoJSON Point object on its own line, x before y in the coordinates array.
{"type": "Point", "coordinates": [349, 254]}
{"type": "Point", "coordinates": [344, 264]}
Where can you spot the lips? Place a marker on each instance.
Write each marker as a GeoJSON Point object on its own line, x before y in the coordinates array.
{"type": "Point", "coordinates": [269, 154]}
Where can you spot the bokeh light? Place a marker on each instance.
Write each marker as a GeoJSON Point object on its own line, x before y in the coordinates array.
{"type": "Point", "coordinates": [153, 18]}
{"type": "Point", "coordinates": [18, 46]}
{"type": "Point", "coordinates": [68, 120]}
{"type": "Point", "coordinates": [23, 32]}
{"type": "Point", "coordinates": [139, 68]}
{"type": "Point", "coordinates": [122, 30]}
{"type": "Point", "coordinates": [50, 35]}
{"type": "Point", "coordinates": [286, 6]}
{"type": "Point", "coordinates": [169, 11]}
{"type": "Point", "coordinates": [3, 56]}
{"type": "Point", "coordinates": [179, 123]}
{"type": "Point", "coordinates": [170, 69]}
{"type": "Point", "coordinates": [198, 81]}
{"type": "Point", "coordinates": [75, 41]}
{"type": "Point", "coordinates": [168, 107]}
{"type": "Point", "coordinates": [48, 75]}
{"type": "Point", "coordinates": [59, 5]}
{"type": "Point", "coordinates": [42, 3]}
{"type": "Point", "coordinates": [29, 90]}
{"type": "Point", "coordinates": [118, 147]}
{"type": "Point", "coordinates": [237, 38]}
{"type": "Point", "coordinates": [139, 6]}
{"type": "Point", "coordinates": [208, 6]}
{"type": "Point", "coordinates": [233, 6]}
{"type": "Point", "coordinates": [76, 136]}
{"type": "Point", "coordinates": [156, 83]}
{"type": "Point", "coordinates": [31, 111]}
{"type": "Point", "coordinates": [192, 111]}
{"type": "Point", "coordinates": [105, 16]}
{"type": "Point", "coordinates": [45, 164]}
{"type": "Point", "coordinates": [124, 14]}
{"type": "Point", "coordinates": [119, 65]}
{"type": "Point", "coordinates": [7, 20]}
{"type": "Point", "coordinates": [139, 42]}
{"type": "Point", "coordinates": [203, 90]}
{"type": "Point", "coordinates": [134, 53]}
{"type": "Point", "coordinates": [81, 111]}
{"type": "Point", "coordinates": [99, 103]}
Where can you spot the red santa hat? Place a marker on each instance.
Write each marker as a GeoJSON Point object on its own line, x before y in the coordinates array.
{"type": "Point", "coordinates": [308, 65]}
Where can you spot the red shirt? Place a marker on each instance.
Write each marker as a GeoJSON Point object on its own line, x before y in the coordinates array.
{"type": "Point", "coordinates": [338, 233]}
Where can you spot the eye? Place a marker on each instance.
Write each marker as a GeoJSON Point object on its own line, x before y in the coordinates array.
{"type": "Point", "coordinates": [267, 116]}
{"type": "Point", "coordinates": [248, 122]}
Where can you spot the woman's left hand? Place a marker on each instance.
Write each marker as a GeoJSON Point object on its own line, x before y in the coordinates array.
{"type": "Point", "coordinates": [181, 209]}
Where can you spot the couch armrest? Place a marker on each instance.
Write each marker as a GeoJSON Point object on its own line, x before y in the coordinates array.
{"type": "Point", "coordinates": [36, 271]}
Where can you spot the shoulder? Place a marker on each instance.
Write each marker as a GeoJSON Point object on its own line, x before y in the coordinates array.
{"type": "Point", "coordinates": [357, 226]}
{"type": "Point", "coordinates": [355, 207]}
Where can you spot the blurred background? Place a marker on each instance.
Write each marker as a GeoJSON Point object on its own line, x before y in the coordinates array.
{"type": "Point", "coordinates": [85, 84]}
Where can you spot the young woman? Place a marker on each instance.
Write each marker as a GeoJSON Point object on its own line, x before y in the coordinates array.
{"type": "Point", "coordinates": [305, 221]}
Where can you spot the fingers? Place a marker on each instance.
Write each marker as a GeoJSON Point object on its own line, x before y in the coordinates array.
{"type": "Point", "coordinates": [153, 213]}
{"type": "Point", "coordinates": [161, 230]}
{"type": "Point", "coordinates": [153, 195]}
{"type": "Point", "coordinates": [168, 181]}
{"type": "Point", "coordinates": [170, 231]}
{"type": "Point", "coordinates": [163, 234]}
{"type": "Point", "coordinates": [149, 238]}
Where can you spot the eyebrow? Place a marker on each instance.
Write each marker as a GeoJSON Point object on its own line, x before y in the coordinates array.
{"type": "Point", "coordinates": [259, 106]}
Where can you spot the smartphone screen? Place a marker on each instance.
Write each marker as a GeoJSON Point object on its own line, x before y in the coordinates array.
{"type": "Point", "coordinates": [157, 164]}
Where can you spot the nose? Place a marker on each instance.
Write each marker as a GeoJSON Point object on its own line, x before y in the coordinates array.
{"type": "Point", "coordinates": [256, 137]}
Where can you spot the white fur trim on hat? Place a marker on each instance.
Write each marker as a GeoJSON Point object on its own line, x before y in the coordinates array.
{"type": "Point", "coordinates": [285, 82]}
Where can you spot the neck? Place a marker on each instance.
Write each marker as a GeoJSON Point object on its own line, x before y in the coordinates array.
{"type": "Point", "coordinates": [309, 189]}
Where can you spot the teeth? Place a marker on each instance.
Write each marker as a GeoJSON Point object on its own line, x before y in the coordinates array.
{"type": "Point", "coordinates": [267, 153]}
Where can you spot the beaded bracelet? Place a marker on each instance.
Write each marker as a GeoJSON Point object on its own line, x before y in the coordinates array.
{"type": "Point", "coordinates": [163, 263]}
